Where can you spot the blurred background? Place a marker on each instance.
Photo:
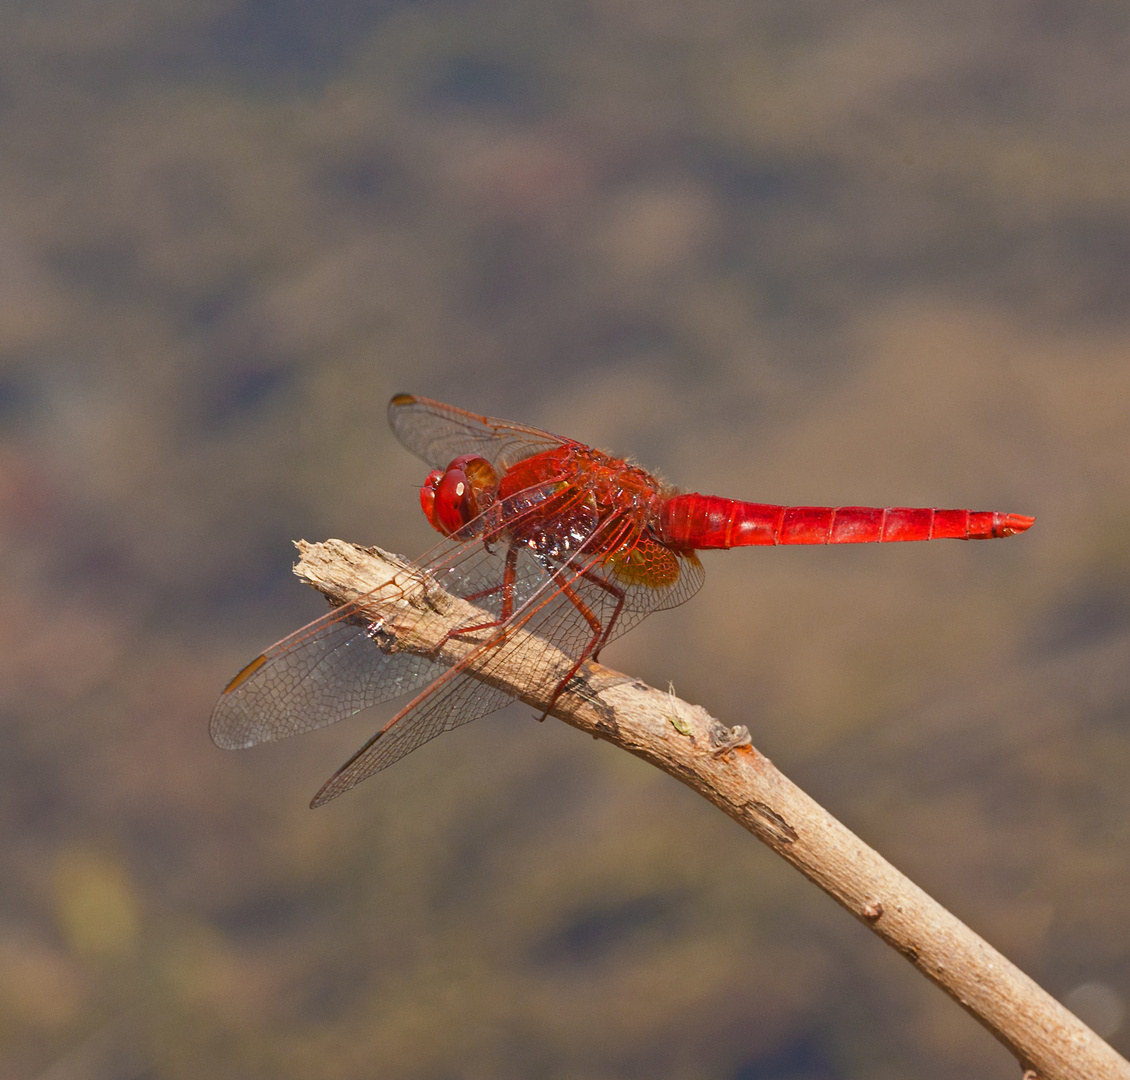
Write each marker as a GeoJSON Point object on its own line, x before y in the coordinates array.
{"type": "Point", "coordinates": [784, 250]}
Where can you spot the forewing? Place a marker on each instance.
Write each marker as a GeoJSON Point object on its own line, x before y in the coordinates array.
{"type": "Point", "coordinates": [457, 697]}
{"type": "Point", "coordinates": [554, 603]}
{"type": "Point", "coordinates": [571, 603]}
{"type": "Point", "coordinates": [334, 667]}
{"type": "Point", "coordinates": [320, 674]}
{"type": "Point", "coordinates": [440, 433]}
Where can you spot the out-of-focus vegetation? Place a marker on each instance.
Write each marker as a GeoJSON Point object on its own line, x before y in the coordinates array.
{"type": "Point", "coordinates": [806, 251]}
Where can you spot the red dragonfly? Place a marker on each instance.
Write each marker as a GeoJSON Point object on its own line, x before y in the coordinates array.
{"type": "Point", "coordinates": [542, 533]}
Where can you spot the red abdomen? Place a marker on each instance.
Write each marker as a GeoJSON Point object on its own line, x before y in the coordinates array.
{"type": "Point", "coordinates": [706, 521]}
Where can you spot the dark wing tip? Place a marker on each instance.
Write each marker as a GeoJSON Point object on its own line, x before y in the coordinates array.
{"type": "Point", "coordinates": [246, 673]}
{"type": "Point", "coordinates": [401, 399]}
{"type": "Point", "coordinates": [336, 785]}
{"type": "Point", "coordinates": [227, 726]}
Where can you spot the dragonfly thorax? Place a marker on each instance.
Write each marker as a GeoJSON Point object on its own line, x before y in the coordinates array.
{"type": "Point", "coordinates": [573, 528]}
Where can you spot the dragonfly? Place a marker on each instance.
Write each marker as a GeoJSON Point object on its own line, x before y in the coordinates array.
{"type": "Point", "coordinates": [540, 533]}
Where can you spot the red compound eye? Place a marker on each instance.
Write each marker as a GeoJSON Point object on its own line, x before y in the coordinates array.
{"type": "Point", "coordinates": [457, 495]}
{"type": "Point", "coordinates": [428, 497]}
{"type": "Point", "coordinates": [455, 504]}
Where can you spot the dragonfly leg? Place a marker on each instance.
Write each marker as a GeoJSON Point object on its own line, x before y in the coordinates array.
{"type": "Point", "coordinates": [509, 575]}
{"type": "Point", "coordinates": [601, 632]}
{"type": "Point", "coordinates": [619, 596]}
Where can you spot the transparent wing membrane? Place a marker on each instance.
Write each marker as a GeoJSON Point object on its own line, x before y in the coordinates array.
{"type": "Point", "coordinates": [546, 560]}
{"type": "Point", "coordinates": [325, 672]}
{"type": "Point", "coordinates": [440, 433]}
{"type": "Point", "coordinates": [553, 603]}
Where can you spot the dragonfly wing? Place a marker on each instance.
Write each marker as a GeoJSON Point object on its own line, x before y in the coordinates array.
{"type": "Point", "coordinates": [334, 667]}
{"type": "Point", "coordinates": [571, 594]}
{"type": "Point", "coordinates": [320, 674]}
{"type": "Point", "coordinates": [658, 579]}
{"type": "Point", "coordinates": [641, 600]}
{"type": "Point", "coordinates": [440, 433]}
{"type": "Point", "coordinates": [553, 603]}
{"type": "Point", "coordinates": [457, 697]}
{"type": "Point", "coordinates": [452, 701]}
{"type": "Point", "coordinates": [599, 584]}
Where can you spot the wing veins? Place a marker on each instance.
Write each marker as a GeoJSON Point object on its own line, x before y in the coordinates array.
{"type": "Point", "coordinates": [419, 710]}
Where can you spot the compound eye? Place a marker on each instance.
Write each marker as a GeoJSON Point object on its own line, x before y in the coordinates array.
{"type": "Point", "coordinates": [455, 503]}
{"type": "Point", "coordinates": [428, 498]}
{"type": "Point", "coordinates": [455, 496]}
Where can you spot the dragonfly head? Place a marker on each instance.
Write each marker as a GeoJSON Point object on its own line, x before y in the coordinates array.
{"type": "Point", "coordinates": [455, 496]}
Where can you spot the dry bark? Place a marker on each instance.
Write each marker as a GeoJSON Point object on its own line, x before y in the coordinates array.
{"type": "Point", "coordinates": [720, 763]}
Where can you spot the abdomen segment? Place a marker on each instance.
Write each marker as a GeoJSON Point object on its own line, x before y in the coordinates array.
{"type": "Point", "coordinates": [706, 521]}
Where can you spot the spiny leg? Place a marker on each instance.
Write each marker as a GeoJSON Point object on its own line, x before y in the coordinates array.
{"type": "Point", "coordinates": [509, 576]}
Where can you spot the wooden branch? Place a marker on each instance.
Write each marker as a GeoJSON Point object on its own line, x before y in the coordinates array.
{"type": "Point", "coordinates": [721, 765]}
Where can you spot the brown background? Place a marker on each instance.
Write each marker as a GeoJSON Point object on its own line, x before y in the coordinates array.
{"type": "Point", "coordinates": [846, 252]}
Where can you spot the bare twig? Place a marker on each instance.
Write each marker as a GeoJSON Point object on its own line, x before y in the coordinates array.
{"type": "Point", "coordinates": [721, 765]}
